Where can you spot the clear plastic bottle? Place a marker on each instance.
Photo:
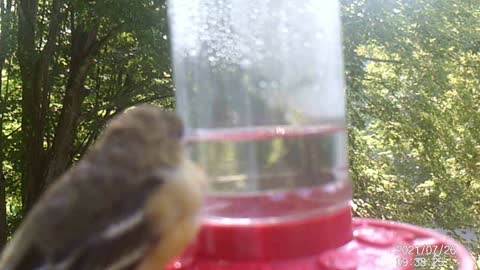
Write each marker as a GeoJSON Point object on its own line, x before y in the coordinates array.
{"type": "Point", "coordinates": [260, 87]}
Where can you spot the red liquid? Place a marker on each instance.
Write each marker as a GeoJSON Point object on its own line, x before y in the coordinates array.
{"type": "Point", "coordinates": [265, 241]}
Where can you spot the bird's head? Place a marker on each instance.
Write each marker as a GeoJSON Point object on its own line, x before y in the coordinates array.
{"type": "Point", "coordinates": [144, 136]}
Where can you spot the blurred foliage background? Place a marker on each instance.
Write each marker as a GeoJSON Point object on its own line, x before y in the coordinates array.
{"type": "Point", "coordinates": [413, 87]}
{"type": "Point", "coordinates": [412, 69]}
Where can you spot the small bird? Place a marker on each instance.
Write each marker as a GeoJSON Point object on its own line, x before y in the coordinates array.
{"type": "Point", "coordinates": [132, 202]}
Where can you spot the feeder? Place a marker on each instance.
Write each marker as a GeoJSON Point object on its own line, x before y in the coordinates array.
{"type": "Point", "coordinates": [261, 90]}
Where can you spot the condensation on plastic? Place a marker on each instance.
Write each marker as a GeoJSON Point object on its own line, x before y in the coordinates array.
{"type": "Point", "coordinates": [243, 63]}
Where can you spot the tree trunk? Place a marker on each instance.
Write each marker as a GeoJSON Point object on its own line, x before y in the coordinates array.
{"type": "Point", "coordinates": [5, 45]}
{"type": "Point", "coordinates": [3, 201]}
{"type": "Point", "coordinates": [27, 57]}
{"type": "Point", "coordinates": [34, 67]}
{"type": "Point", "coordinates": [3, 211]}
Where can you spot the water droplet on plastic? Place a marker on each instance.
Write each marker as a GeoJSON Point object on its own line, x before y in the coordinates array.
{"type": "Point", "coordinates": [280, 130]}
{"type": "Point", "coordinates": [192, 53]}
{"type": "Point", "coordinates": [262, 84]}
{"type": "Point", "coordinates": [245, 63]}
{"type": "Point", "coordinates": [278, 196]}
{"type": "Point", "coordinates": [274, 84]}
{"type": "Point", "coordinates": [259, 42]}
{"type": "Point", "coordinates": [177, 265]}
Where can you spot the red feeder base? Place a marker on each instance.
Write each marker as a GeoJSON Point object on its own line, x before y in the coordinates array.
{"type": "Point", "coordinates": [334, 242]}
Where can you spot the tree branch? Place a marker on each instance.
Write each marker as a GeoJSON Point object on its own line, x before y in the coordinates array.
{"type": "Point", "coordinates": [96, 46]}
{"type": "Point", "coordinates": [87, 141]}
{"type": "Point", "coordinates": [390, 61]}
{"type": "Point", "coordinates": [54, 28]}
{"type": "Point", "coordinates": [114, 105]}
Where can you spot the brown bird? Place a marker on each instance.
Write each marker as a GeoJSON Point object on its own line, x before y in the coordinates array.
{"type": "Point", "coordinates": [131, 203]}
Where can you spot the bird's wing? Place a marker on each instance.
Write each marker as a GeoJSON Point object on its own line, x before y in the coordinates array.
{"type": "Point", "coordinates": [99, 224]}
